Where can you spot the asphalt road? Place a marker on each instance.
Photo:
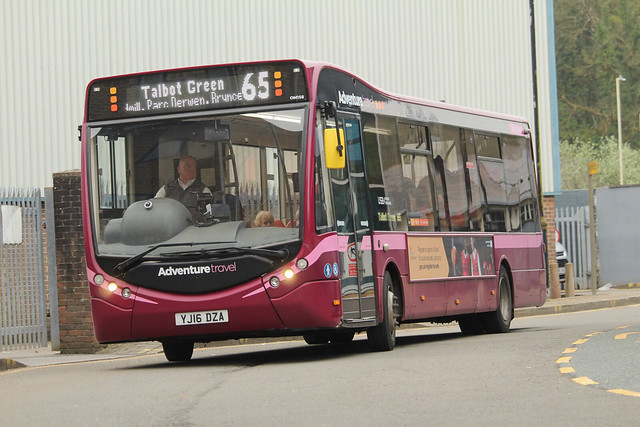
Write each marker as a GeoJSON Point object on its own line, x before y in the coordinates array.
{"type": "Point", "coordinates": [435, 376]}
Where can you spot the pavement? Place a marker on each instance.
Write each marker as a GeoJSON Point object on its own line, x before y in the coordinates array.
{"type": "Point", "coordinates": [45, 356]}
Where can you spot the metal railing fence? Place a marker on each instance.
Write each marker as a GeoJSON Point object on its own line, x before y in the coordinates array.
{"type": "Point", "coordinates": [23, 320]}
{"type": "Point", "coordinates": [573, 225]}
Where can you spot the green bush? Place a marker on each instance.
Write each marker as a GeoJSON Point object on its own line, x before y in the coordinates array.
{"type": "Point", "coordinates": [574, 156]}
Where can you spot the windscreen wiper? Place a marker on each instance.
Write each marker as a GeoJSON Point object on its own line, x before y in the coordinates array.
{"type": "Point", "coordinates": [277, 254]}
{"type": "Point", "coordinates": [129, 263]}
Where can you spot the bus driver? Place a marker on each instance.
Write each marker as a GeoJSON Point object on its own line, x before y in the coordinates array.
{"type": "Point", "coordinates": [186, 187]}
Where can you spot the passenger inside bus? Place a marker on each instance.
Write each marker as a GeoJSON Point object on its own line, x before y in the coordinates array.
{"type": "Point", "coordinates": [264, 219]}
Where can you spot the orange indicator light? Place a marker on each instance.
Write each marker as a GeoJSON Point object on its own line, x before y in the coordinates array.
{"type": "Point", "coordinates": [457, 302]}
{"type": "Point", "coordinates": [493, 292]}
{"type": "Point", "coordinates": [422, 298]}
{"type": "Point", "coordinates": [336, 302]}
{"type": "Point", "coordinates": [113, 99]}
{"type": "Point", "coordinates": [278, 83]}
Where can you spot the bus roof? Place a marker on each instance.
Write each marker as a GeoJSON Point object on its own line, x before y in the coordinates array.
{"type": "Point", "coordinates": [313, 69]}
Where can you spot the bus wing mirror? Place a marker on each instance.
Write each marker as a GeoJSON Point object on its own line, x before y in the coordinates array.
{"type": "Point", "coordinates": [333, 149]}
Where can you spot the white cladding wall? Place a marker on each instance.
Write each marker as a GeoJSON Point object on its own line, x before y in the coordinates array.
{"type": "Point", "coordinates": [469, 52]}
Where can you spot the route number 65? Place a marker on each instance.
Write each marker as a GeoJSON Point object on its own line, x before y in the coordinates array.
{"type": "Point", "coordinates": [249, 90]}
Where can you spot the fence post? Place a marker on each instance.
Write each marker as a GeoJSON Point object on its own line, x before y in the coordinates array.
{"type": "Point", "coordinates": [592, 238]}
{"type": "Point", "coordinates": [52, 272]}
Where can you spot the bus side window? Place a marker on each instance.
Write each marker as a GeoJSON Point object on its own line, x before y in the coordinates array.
{"type": "Point", "coordinates": [384, 169]}
{"type": "Point", "coordinates": [491, 170]}
{"type": "Point", "coordinates": [322, 199]}
{"type": "Point", "coordinates": [520, 185]}
{"type": "Point", "coordinates": [449, 169]}
{"type": "Point", "coordinates": [473, 183]}
{"type": "Point", "coordinates": [420, 193]}
{"type": "Point", "coordinates": [418, 179]}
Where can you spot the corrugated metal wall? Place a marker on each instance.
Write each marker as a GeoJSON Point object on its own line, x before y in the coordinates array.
{"type": "Point", "coordinates": [470, 52]}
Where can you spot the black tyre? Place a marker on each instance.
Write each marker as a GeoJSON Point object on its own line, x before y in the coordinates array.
{"type": "Point", "coordinates": [500, 320]}
{"type": "Point", "coordinates": [178, 351]}
{"type": "Point", "coordinates": [383, 336]}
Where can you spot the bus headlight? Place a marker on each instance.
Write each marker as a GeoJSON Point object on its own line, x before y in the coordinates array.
{"type": "Point", "coordinates": [98, 279]}
{"type": "Point", "coordinates": [288, 273]}
{"type": "Point", "coordinates": [112, 287]}
{"type": "Point", "coordinates": [126, 293]}
{"type": "Point", "coordinates": [302, 263]}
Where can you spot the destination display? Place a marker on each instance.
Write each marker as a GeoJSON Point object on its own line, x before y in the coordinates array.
{"type": "Point", "coordinates": [196, 89]}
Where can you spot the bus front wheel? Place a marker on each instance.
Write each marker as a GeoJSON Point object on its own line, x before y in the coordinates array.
{"type": "Point", "coordinates": [178, 351]}
{"type": "Point", "coordinates": [383, 336]}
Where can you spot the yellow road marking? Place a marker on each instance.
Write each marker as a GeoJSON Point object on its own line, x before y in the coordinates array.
{"type": "Point", "coordinates": [624, 336]}
{"type": "Point", "coordinates": [625, 392]}
{"type": "Point", "coordinates": [584, 381]}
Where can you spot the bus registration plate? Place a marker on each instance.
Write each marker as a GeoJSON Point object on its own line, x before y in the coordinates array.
{"type": "Point", "coordinates": [202, 317]}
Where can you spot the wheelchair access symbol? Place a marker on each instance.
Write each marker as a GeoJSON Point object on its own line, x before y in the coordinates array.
{"type": "Point", "coordinates": [328, 270]}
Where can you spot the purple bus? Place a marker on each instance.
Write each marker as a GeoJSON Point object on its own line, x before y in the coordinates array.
{"type": "Point", "coordinates": [380, 209]}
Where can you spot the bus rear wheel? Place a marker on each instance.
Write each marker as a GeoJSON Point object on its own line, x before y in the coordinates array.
{"type": "Point", "coordinates": [178, 351]}
{"type": "Point", "coordinates": [383, 336]}
{"type": "Point", "coordinates": [500, 320]}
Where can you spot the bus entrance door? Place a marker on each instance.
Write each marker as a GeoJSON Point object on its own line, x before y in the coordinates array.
{"type": "Point", "coordinates": [351, 207]}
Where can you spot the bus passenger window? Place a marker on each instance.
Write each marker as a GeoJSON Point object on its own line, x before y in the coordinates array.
{"type": "Point", "coordinates": [419, 192]}
{"type": "Point", "coordinates": [385, 172]}
{"type": "Point", "coordinates": [491, 170]}
{"type": "Point", "coordinates": [448, 160]}
{"type": "Point", "coordinates": [473, 184]}
{"type": "Point", "coordinates": [520, 187]}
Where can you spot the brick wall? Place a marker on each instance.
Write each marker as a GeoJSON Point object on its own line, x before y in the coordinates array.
{"type": "Point", "coordinates": [74, 302]}
{"type": "Point", "coordinates": [549, 208]}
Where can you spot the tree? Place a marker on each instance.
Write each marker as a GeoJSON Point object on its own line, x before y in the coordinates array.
{"type": "Point", "coordinates": [575, 155]}
{"type": "Point", "coordinates": [596, 41]}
